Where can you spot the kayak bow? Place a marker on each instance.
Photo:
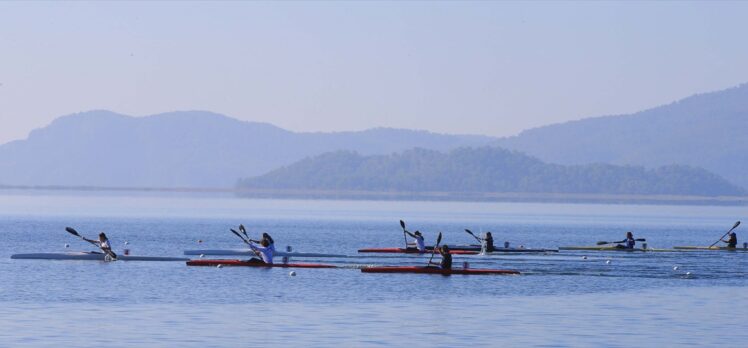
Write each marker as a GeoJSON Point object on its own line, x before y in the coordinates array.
{"type": "Point", "coordinates": [95, 256]}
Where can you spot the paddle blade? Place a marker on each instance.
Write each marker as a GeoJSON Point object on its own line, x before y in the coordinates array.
{"type": "Point", "coordinates": [72, 231]}
{"type": "Point", "coordinates": [469, 231]}
{"type": "Point", "coordinates": [439, 239]}
{"type": "Point", "coordinates": [602, 242]}
{"type": "Point", "coordinates": [241, 228]}
{"type": "Point", "coordinates": [736, 225]}
{"type": "Point", "coordinates": [236, 233]}
{"type": "Point", "coordinates": [402, 224]}
{"type": "Point", "coordinates": [641, 239]}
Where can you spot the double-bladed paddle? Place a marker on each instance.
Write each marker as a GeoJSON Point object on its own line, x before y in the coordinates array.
{"type": "Point", "coordinates": [245, 241]}
{"type": "Point", "coordinates": [637, 239]}
{"type": "Point", "coordinates": [728, 232]}
{"type": "Point", "coordinates": [474, 236]}
{"type": "Point", "coordinates": [109, 252]}
{"type": "Point", "coordinates": [433, 251]}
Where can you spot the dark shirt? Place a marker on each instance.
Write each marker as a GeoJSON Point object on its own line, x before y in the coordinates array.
{"type": "Point", "coordinates": [733, 241]}
{"type": "Point", "coordinates": [446, 261]}
{"type": "Point", "coordinates": [489, 244]}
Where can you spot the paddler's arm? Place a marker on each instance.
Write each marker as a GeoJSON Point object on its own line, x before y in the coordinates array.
{"type": "Point", "coordinates": [410, 234]}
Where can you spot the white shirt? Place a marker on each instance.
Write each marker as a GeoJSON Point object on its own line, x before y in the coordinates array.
{"type": "Point", "coordinates": [420, 244]}
{"type": "Point", "coordinates": [266, 253]}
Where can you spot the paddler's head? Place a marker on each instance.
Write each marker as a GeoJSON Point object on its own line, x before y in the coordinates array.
{"type": "Point", "coordinates": [102, 236]}
{"type": "Point", "coordinates": [265, 242]}
{"type": "Point", "coordinates": [418, 234]}
{"type": "Point", "coordinates": [444, 250]}
{"type": "Point", "coordinates": [488, 235]}
{"type": "Point", "coordinates": [629, 235]}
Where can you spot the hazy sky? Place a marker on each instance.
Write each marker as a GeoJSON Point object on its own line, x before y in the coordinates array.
{"type": "Point", "coordinates": [456, 67]}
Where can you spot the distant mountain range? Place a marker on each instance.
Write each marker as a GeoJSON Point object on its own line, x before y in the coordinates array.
{"type": "Point", "coordinates": [484, 170]}
{"type": "Point", "coordinates": [707, 130]}
{"type": "Point", "coordinates": [184, 149]}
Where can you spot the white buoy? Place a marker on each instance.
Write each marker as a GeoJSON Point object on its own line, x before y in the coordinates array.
{"type": "Point", "coordinates": [219, 266]}
{"type": "Point", "coordinates": [607, 262]}
{"type": "Point", "coordinates": [675, 268]}
{"type": "Point", "coordinates": [584, 257]}
{"type": "Point", "coordinates": [126, 242]}
{"type": "Point", "coordinates": [292, 274]}
{"type": "Point", "coordinates": [67, 245]}
{"type": "Point", "coordinates": [688, 273]}
{"type": "Point", "coordinates": [202, 255]}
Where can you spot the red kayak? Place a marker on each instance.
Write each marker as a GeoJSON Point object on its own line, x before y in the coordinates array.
{"type": "Point", "coordinates": [413, 251]}
{"type": "Point", "coordinates": [243, 263]}
{"type": "Point", "coordinates": [434, 270]}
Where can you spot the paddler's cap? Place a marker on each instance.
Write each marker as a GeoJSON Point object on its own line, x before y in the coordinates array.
{"type": "Point", "coordinates": [417, 233]}
{"type": "Point", "coordinates": [629, 234]}
{"type": "Point", "coordinates": [102, 235]}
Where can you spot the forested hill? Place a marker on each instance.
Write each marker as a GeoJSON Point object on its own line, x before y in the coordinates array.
{"type": "Point", "coordinates": [484, 169]}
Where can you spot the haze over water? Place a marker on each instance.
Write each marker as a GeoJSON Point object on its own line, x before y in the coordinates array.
{"type": "Point", "coordinates": [561, 299]}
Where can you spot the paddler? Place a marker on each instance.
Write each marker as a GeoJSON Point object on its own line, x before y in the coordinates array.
{"type": "Point", "coordinates": [628, 243]}
{"type": "Point", "coordinates": [732, 241]}
{"type": "Point", "coordinates": [103, 243]}
{"type": "Point", "coordinates": [446, 262]}
{"type": "Point", "coordinates": [266, 237]}
{"type": "Point", "coordinates": [420, 244]}
{"type": "Point", "coordinates": [488, 242]}
{"type": "Point", "coordinates": [264, 250]}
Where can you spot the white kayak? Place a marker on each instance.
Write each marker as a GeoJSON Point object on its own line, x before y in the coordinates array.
{"type": "Point", "coordinates": [249, 252]}
{"type": "Point", "coordinates": [91, 255]}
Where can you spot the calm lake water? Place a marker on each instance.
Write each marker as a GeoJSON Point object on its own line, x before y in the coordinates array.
{"type": "Point", "coordinates": [561, 299]}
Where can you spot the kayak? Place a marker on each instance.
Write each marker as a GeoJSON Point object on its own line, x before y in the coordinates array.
{"type": "Point", "coordinates": [413, 251]}
{"type": "Point", "coordinates": [714, 248]}
{"type": "Point", "coordinates": [610, 248]}
{"type": "Point", "coordinates": [245, 263]}
{"type": "Point", "coordinates": [475, 247]}
{"type": "Point", "coordinates": [453, 251]}
{"type": "Point", "coordinates": [91, 255]}
{"type": "Point", "coordinates": [248, 252]}
{"type": "Point", "coordinates": [434, 270]}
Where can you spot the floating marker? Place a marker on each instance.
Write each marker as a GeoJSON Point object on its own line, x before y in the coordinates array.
{"type": "Point", "coordinates": [607, 262]}
{"type": "Point", "coordinates": [292, 274]}
{"type": "Point", "coordinates": [219, 266]}
{"type": "Point", "coordinates": [688, 273]}
{"type": "Point", "coordinates": [675, 268]}
{"type": "Point", "coordinates": [126, 242]}
{"type": "Point", "coordinates": [202, 255]}
{"type": "Point", "coordinates": [67, 245]}
{"type": "Point", "coordinates": [199, 240]}
{"type": "Point", "coordinates": [584, 257]}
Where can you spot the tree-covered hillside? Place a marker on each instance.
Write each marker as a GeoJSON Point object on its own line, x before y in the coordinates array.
{"type": "Point", "coordinates": [484, 169]}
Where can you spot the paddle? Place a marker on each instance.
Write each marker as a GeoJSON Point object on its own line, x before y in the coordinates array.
{"type": "Point", "coordinates": [405, 238]}
{"type": "Point", "coordinates": [637, 239]}
{"type": "Point", "coordinates": [244, 231]}
{"type": "Point", "coordinates": [245, 241]}
{"type": "Point", "coordinates": [728, 232]}
{"type": "Point", "coordinates": [474, 236]}
{"type": "Point", "coordinates": [107, 251]}
{"type": "Point", "coordinates": [239, 235]}
{"type": "Point", "coordinates": [433, 251]}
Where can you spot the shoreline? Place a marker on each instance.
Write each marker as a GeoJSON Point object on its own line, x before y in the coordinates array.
{"type": "Point", "coordinates": [510, 197]}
